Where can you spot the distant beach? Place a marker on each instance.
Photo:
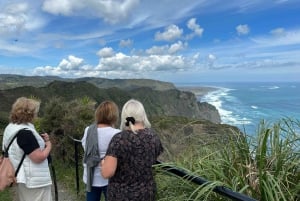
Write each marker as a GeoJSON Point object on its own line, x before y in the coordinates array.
{"type": "Point", "coordinates": [199, 91]}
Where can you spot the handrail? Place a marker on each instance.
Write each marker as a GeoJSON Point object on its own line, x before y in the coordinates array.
{"type": "Point", "coordinates": [222, 190]}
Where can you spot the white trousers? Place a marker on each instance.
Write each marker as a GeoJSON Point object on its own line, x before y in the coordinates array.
{"type": "Point", "coordinates": [34, 194]}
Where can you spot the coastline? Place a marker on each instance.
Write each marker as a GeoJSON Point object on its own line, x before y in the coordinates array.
{"type": "Point", "coordinates": [199, 91]}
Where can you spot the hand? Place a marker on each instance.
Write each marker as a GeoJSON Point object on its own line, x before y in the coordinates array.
{"type": "Point", "coordinates": [45, 136]}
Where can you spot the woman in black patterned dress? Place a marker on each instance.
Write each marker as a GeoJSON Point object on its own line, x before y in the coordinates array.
{"type": "Point", "coordinates": [130, 156]}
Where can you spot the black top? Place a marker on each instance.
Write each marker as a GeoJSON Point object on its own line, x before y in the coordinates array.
{"type": "Point", "coordinates": [136, 153]}
{"type": "Point", "coordinates": [27, 141]}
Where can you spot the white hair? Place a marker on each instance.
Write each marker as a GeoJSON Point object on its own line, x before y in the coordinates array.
{"type": "Point", "coordinates": [134, 108]}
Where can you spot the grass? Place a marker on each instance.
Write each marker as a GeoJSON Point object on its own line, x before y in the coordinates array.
{"type": "Point", "coordinates": [6, 195]}
{"type": "Point", "coordinates": [265, 167]}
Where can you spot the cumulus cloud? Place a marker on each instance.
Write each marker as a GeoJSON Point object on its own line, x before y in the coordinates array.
{"type": "Point", "coordinates": [166, 49]}
{"type": "Point", "coordinates": [119, 65]}
{"type": "Point", "coordinates": [111, 11]}
{"type": "Point", "coordinates": [145, 64]}
{"type": "Point", "coordinates": [197, 30]}
{"type": "Point", "coordinates": [105, 52]}
{"type": "Point", "coordinates": [170, 33]}
{"type": "Point", "coordinates": [125, 43]}
{"type": "Point", "coordinates": [242, 29]}
{"type": "Point", "coordinates": [176, 47]}
{"type": "Point", "coordinates": [70, 67]}
{"type": "Point", "coordinates": [72, 63]}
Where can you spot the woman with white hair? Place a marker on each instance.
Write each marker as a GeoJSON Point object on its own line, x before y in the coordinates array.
{"type": "Point", "coordinates": [130, 156]}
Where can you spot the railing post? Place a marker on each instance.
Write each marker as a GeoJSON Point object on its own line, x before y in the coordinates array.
{"type": "Point", "coordinates": [76, 165]}
{"type": "Point", "coordinates": [76, 142]}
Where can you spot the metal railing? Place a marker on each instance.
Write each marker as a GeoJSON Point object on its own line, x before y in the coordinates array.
{"type": "Point", "coordinates": [221, 190]}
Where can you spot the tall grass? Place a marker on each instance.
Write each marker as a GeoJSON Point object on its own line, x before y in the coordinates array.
{"type": "Point", "coordinates": [264, 167]}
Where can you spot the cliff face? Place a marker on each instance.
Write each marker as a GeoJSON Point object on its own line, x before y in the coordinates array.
{"type": "Point", "coordinates": [176, 103]}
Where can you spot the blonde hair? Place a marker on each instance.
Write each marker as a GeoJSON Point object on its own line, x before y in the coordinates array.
{"type": "Point", "coordinates": [134, 108]}
{"type": "Point", "coordinates": [24, 110]}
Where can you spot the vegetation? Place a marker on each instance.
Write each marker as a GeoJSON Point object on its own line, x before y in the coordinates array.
{"type": "Point", "coordinates": [265, 166]}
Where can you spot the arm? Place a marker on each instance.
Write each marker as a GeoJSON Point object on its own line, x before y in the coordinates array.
{"type": "Point", "coordinates": [108, 166]}
{"type": "Point", "coordinates": [30, 146]}
{"type": "Point", "coordinates": [39, 155]}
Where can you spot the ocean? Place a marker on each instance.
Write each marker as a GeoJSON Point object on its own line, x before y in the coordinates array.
{"type": "Point", "coordinates": [245, 104]}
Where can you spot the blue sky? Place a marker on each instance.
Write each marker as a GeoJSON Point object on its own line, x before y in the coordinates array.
{"type": "Point", "coordinates": [168, 40]}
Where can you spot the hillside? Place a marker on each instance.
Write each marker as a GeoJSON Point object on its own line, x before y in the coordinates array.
{"type": "Point", "coordinates": [10, 81]}
{"type": "Point", "coordinates": [171, 102]}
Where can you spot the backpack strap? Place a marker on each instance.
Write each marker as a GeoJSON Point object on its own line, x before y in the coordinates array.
{"type": "Point", "coordinates": [19, 166]}
{"type": "Point", "coordinates": [6, 152]}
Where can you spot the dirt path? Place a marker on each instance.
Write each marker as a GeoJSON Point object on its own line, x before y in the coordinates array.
{"type": "Point", "coordinates": [63, 194]}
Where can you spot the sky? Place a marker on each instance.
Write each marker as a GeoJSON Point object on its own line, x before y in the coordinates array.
{"type": "Point", "coordinates": [179, 41]}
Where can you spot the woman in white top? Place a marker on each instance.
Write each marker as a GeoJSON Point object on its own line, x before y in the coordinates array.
{"type": "Point", "coordinates": [34, 179]}
{"type": "Point", "coordinates": [95, 142]}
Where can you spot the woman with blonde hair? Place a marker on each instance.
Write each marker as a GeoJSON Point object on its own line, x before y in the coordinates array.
{"type": "Point", "coordinates": [33, 179]}
{"type": "Point", "coordinates": [130, 156]}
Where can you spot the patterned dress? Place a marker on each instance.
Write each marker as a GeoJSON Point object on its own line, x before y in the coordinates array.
{"type": "Point", "coordinates": [136, 153]}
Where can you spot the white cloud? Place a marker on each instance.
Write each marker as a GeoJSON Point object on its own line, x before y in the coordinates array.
{"type": "Point", "coordinates": [70, 67]}
{"type": "Point", "coordinates": [72, 63]}
{"type": "Point", "coordinates": [171, 33]}
{"type": "Point", "coordinates": [279, 38]}
{"type": "Point", "coordinates": [63, 7]}
{"type": "Point", "coordinates": [166, 49]}
{"type": "Point", "coordinates": [106, 52]}
{"type": "Point", "coordinates": [278, 32]}
{"type": "Point", "coordinates": [16, 18]}
{"type": "Point", "coordinates": [142, 64]}
{"type": "Point", "coordinates": [126, 43]}
{"type": "Point", "coordinates": [242, 29]}
{"type": "Point", "coordinates": [157, 50]}
{"type": "Point", "coordinates": [176, 47]}
{"type": "Point", "coordinates": [111, 11]}
{"type": "Point", "coordinates": [197, 30]}
{"type": "Point", "coordinates": [119, 65]}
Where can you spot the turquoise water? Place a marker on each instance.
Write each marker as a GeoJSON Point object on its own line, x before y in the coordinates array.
{"type": "Point", "coordinates": [245, 104]}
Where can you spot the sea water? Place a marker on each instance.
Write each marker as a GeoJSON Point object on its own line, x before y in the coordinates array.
{"type": "Point", "coordinates": [246, 104]}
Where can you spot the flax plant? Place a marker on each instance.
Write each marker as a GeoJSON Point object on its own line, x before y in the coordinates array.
{"type": "Point", "coordinates": [264, 167]}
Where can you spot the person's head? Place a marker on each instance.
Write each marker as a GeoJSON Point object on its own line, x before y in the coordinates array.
{"type": "Point", "coordinates": [133, 112]}
{"type": "Point", "coordinates": [24, 110]}
{"type": "Point", "coordinates": [107, 113]}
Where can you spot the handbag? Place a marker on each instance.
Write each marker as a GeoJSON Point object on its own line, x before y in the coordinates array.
{"type": "Point", "coordinates": [8, 173]}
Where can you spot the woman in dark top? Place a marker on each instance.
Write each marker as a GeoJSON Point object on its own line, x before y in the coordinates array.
{"type": "Point", "coordinates": [130, 156]}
